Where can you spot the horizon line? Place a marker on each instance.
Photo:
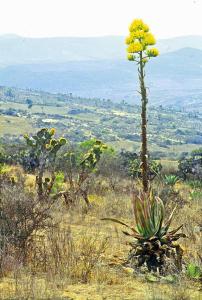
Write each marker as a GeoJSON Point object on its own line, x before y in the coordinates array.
{"type": "Point", "coordinates": [86, 37]}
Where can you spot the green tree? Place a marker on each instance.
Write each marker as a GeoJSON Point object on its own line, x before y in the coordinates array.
{"type": "Point", "coordinates": [139, 51]}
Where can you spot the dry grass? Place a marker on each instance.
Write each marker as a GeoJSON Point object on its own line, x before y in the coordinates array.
{"type": "Point", "coordinates": [81, 258]}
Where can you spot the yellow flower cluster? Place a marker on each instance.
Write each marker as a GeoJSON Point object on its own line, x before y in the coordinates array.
{"type": "Point", "coordinates": [129, 40]}
{"type": "Point", "coordinates": [135, 47]}
{"type": "Point", "coordinates": [153, 52]}
{"type": "Point", "coordinates": [149, 39]}
{"type": "Point", "coordinates": [138, 24]}
{"type": "Point", "coordinates": [140, 39]}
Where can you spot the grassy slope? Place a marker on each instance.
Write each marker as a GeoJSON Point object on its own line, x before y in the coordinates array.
{"type": "Point", "coordinates": [118, 125]}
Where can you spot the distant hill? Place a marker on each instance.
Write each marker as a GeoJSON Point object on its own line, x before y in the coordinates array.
{"type": "Point", "coordinates": [96, 67]}
{"type": "Point", "coordinates": [173, 78]}
{"type": "Point", "coordinates": [176, 43]}
{"type": "Point", "coordinates": [21, 50]}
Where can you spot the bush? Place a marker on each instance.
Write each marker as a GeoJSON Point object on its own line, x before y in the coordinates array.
{"type": "Point", "coordinates": [194, 271]}
{"type": "Point", "coordinates": [21, 216]}
{"type": "Point", "coordinates": [191, 167]}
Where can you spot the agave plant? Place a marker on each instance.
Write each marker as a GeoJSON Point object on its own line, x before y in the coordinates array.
{"type": "Point", "coordinates": [171, 180]}
{"type": "Point", "coordinates": [154, 245]}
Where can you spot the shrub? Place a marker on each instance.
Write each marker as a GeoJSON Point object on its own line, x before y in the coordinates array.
{"type": "Point", "coordinates": [22, 214]}
{"type": "Point", "coordinates": [194, 271]}
{"type": "Point", "coordinates": [171, 180]}
{"type": "Point", "coordinates": [191, 167]}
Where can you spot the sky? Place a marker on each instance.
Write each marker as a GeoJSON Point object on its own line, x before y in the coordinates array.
{"type": "Point", "coordinates": [48, 18]}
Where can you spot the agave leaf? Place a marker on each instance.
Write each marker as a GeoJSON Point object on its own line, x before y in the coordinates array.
{"type": "Point", "coordinates": [146, 212]}
{"type": "Point", "coordinates": [175, 230]}
{"type": "Point", "coordinates": [120, 222]}
{"type": "Point", "coordinates": [137, 236]}
{"type": "Point", "coordinates": [139, 220]}
{"type": "Point", "coordinates": [149, 213]}
{"type": "Point", "coordinates": [140, 217]}
{"type": "Point", "coordinates": [146, 216]}
{"type": "Point", "coordinates": [177, 236]}
{"type": "Point", "coordinates": [155, 214]}
{"type": "Point", "coordinates": [151, 206]}
{"type": "Point", "coordinates": [161, 232]}
{"type": "Point", "coordinates": [116, 221]}
{"type": "Point", "coordinates": [126, 233]}
{"type": "Point", "coordinates": [167, 224]}
{"type": "Point", "coordinates": [148, 209]}
{"type": "Point", "coordinates": [161, 214]}
{"type": "Point", "coordinates": [139, 229]}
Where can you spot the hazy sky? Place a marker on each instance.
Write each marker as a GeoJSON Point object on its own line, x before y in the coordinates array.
{"type": "Point", "coordinates": [37, 18]}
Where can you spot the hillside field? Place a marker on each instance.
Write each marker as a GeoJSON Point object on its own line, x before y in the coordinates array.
{"type": "Point", "coordinates": [171, 131]}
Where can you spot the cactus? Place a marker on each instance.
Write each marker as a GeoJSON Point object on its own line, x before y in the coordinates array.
{"type": "Point", "coordinates": [44, 147]}
{"type": "Point", "coordinates": [85, 165]}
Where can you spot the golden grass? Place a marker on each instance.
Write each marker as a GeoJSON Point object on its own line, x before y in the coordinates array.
{"type": "Point", "coordinates": [82, 257]}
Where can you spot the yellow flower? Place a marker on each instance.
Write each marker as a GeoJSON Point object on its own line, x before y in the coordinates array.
{"type": "Point", "coordinates": [135, 47]}
{"type": "Point", "coordinates": [139, 34]}
{"type": "Point", "coordinates": [153, 52]}
{"type": "Point", "coordinates": [138, 24]}
{"type": "Point", "coordinates": [52, 131]}
{"type": "Point", "coordinates": [146, 28]}
{"type": "Point", "coordinates": [131, 57]}
{"type": "Point", "coordinates": [149, 39]}
{"type": "Point", "coordinates": [128, 40]}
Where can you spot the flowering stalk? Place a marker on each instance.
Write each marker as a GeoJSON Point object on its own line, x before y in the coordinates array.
{"type": "Point", "coordinates": [144, 125]}
{"type": "Point", "coordinates": [139, 42]}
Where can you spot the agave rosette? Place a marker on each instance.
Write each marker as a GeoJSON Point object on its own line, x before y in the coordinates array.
{"type": "Point", "coordinates": [149, 214]}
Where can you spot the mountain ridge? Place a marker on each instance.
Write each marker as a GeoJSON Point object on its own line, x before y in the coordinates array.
{"type": "Point", "coordinates": [18, 50]}
{"type": "Point", "coordinates": [168, 77]}
{"type": "Point", "coordinates": [72, 65]}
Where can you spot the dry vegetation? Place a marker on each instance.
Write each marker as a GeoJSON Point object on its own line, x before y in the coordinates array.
{"type": "Point", "coordinates": [74, 255]}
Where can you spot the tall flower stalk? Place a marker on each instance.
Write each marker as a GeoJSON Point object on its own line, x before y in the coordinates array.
{"type": "Point", "coordinates": [154, 246]}
{"type": "Point", "coordinates": [140, 51]}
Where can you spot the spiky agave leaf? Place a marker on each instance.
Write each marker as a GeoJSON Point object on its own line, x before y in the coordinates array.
{"type": "Point", "coordinates": [149, 214]}
{"type": "Point", "coordinates": [141, 209]}
{"type": "Point", "coordinates": [135, 234]}
{"type": "Point", "coordinates": [140, 219]}
{"type": "Point", "coordinates": [159, 215]}
{"type": "Point", "coordinates": [116, 221]}
{"type": "Point", "coordinates": [175, 230]}
{"type": "Point", "coordinates": [164, 229]}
